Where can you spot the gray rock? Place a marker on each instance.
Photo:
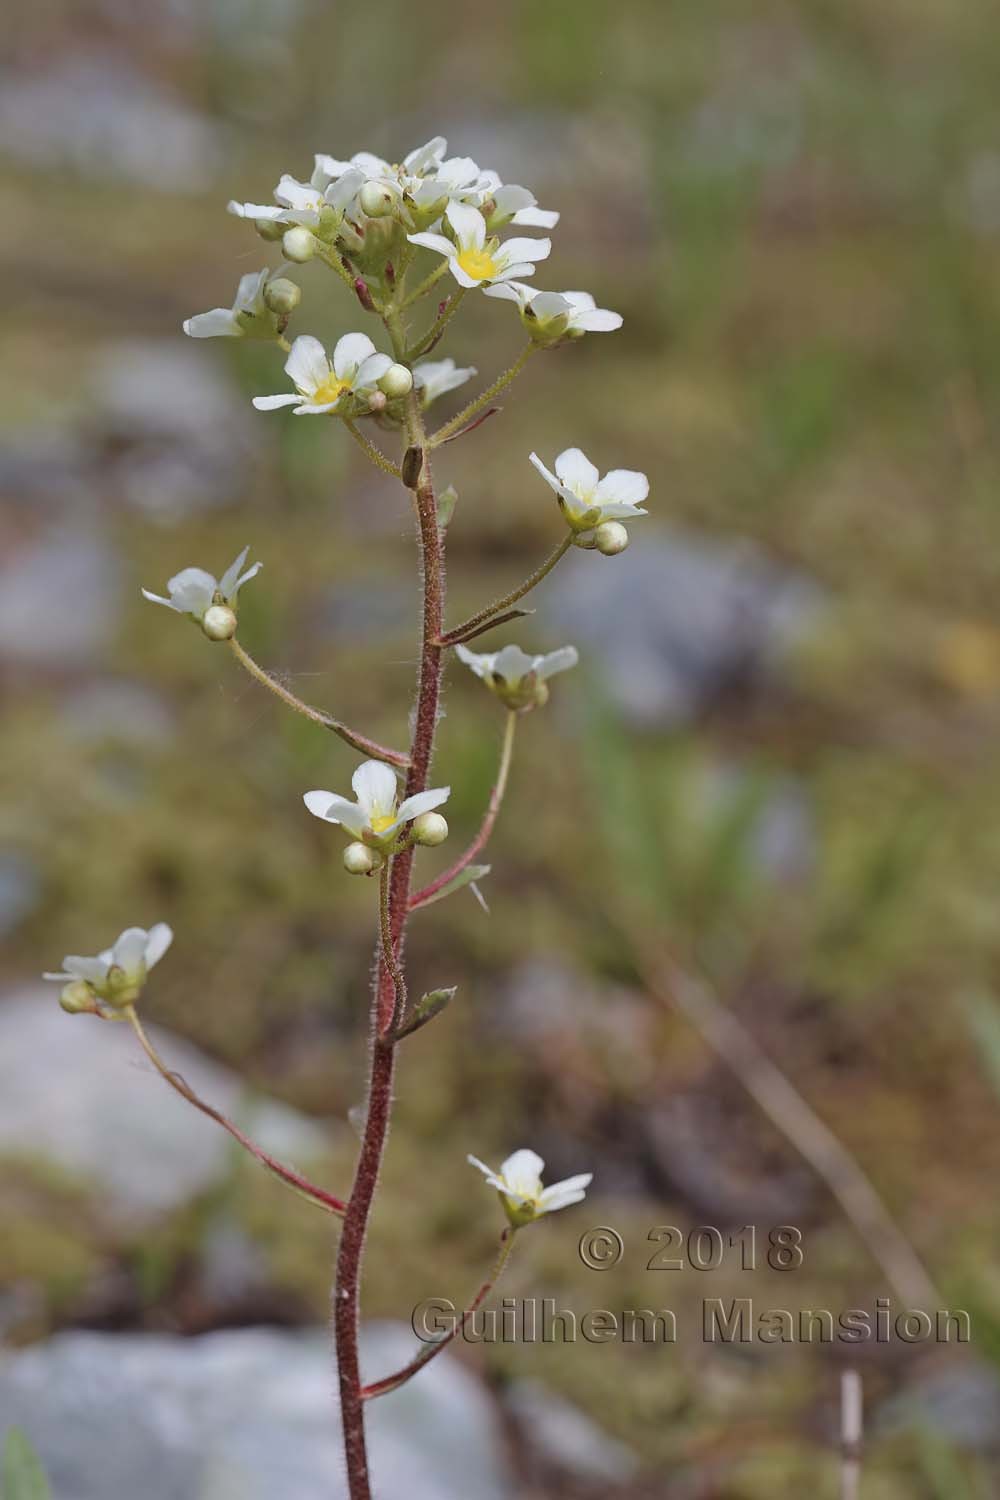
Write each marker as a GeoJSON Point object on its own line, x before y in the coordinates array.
{"type": "Point", "coordinates": [79, 1092]}
{"type": "Point", "coordinates": [248, 1415]}
{"type": "Point", "coordinates": [59, 597]}
{"type": "Point", "coordinates": [179, 439]}
{"type": "Point", "coordinates": [563, 1436]}
{"type": "Point", "coordinates": [959, 1400]}
{"type": "Point", "coordinates": [95, 114]}
{"type": "Point", "coordinates": [673, 622]}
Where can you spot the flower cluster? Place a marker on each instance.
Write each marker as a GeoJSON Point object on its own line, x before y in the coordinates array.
{"type": "Point", "coordinates": [378, 818]}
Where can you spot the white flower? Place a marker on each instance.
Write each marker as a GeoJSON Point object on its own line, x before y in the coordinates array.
{"type": "Point", "coordinates": [510, 204]}
{"type": "Point", "coordinates": [249, 316]}
{"type": "Point", "coordinates": [303, 202]}
{"type": "Point", "coordinates": [519, 1183]}
{"type": "Point", "coordinates": [473, 259]}
{"type": "Point", "coordinates": [435, 377]}
{"type": "Point", "coordinates": [320, 384]}
{"type": "Point", "coordinates": [194, 592]}
{"type": "Point", "coordinates": [118, 974]}
{"type": "Point", "coordinates": [587, 500]}
{"type": "Point", "coordinates": [550, 316]}
{"type": "Point", "coordinates": [375, 817]}
{"type": "Point", "coordinates": [516, 678]}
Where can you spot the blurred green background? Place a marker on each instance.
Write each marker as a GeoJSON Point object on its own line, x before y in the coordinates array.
{"type": "Point", "coordinates": [779, 757]}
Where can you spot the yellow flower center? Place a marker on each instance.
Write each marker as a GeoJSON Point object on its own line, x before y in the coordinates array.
{"type": "Point", "coordinates": [479, 264]}
{"type": "Point", "coordinates": [330, 390]}
{"type": "Point", "coordinates": [381, 821]}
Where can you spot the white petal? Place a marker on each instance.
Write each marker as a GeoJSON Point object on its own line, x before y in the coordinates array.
{"type": "Point", "coordinates": [597, 320]}
{"type": "Point", "coordinates": [229, 577]}
{"type": "Point", "coordinates": [307, 365]}
{"type": "Point", "coordinates": [375, 787]}
{"type": "Point", "coordinates": [546, 474]}
{"type": "Point", "coordinates": [372, 166]}
{"type": "Point", "coordinates": [351, 351]}
{"type": "Point", "coordinates": [512, 664]}
{"type": "Point", "coordinates": [557, 661]}
{"type": "Point", "coordinates": [577, 472]}
{"type": "Point", "coordinates": [339, 194]}
{"type": "Point", "coordinates": [192, 590]}
{"type": "Point", "coordinates": [519, 268]}
{"type": "Point", "coordinates": [219, 323]}
{"type": "Point", "coordinates": [130, 948]}
{"type": "Point", "coordinates": [482, 665]}
{"type": "Point", "coordinates": [433, 242]}
{"type": "Point", "coordinates": [468, 224]}
{"type": "Point", "coordinates": [370, 370]}
{"type": "Point", "coordinates": [561, 1200]}
{"type": "Point", "coordinates": [251, 572]}
{"type": "Point", "coordinates": [159, 599]}
{"type": "Point", "coordinates": [522, 1171]}
{"type": "Point", "coordinates": [59, 978]}
{"type": "Point", "coordinates": [335, 809]}
{"type": "Point", "coordinates": [525, 249]}
{"type": "Point", "coordinates": [422, 802]}
{"type": "Point", "coordinates": [271, 403]}
{"type": "Point", "coordinates": [254, 210]}
{"type": "Point", "coordinates": [581, 300]}
{"type": "Point", "coordinates": [91, 969]}
{"type": "Point", "coordinates": [158, 940]}
{"type": "Point", "coordinates": [511, 291]}
{"type": "Point", "coordinates": [537, 218]}
{"type": "Point", "coordinates": [462, 276]}
{"type": "Point", "coordinates": [627, 485]}
{"type": "Point", "coordinates": [425, 156]}
{"type": "Point", "coordinates": [249, 290]}
{"type": "Point", "coordinates": [310, 408]}
{"type": "Point", "coordinates": [568, 1185]}
{"type": "Point", "coordinates": [620, 510]}
{"type": "Point", "coordinates": [488, 1172]}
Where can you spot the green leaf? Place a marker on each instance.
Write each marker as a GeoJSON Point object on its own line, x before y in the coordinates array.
{"type": "Point", "coordinates": [447, 500]}
{"type": "Point", "coordinates": [23, 1475]}
{"type": "Point", "coordinates": [468, 876]}
{"type": "Point", "coordinates": [426, 1008]}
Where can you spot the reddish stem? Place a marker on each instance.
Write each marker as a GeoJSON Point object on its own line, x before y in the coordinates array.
{"type": "Point", "coordinates": [349, 1257]}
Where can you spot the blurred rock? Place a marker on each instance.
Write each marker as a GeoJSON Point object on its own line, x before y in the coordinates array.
{"type": "Point", "coordinates": [79, 1092]}
{"type": "Point", "coordinates": [177, 437]}
{"type": "Point", "coordinates": [248, 1415]}
{"type": "Point", "coordinates": [97, 114]}
{"type": "Point", "coordinates": [561, 1435]}
{"type": "Point", "coordinates": [673, 624]}
{"type": "Point", "coordinates": [110, 709]}
{"type": "Point", "coordinates": [59, 597]}
{"type": "Point", "coordinates": [960, 1401]}
{"type": "Point", "coordinates": [20, 888]}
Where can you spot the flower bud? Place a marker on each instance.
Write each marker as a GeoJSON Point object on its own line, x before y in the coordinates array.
{"type": "Point", "coordinates": [360, 860]}
{"type": "Point", "coordinates": [430, 829]}
{"type": "Point", "coordinates": [219, 622]}
{"type": "Point", "coordinates": [77, 998]}
{"type": "Point", "coordinates": [282, 296]}
{"type": "Point", "coordinates": [611, 537]}
{"type": "Point", "coordinates": [269, 229]}
{"type": "Point", "coordinates": [299, 244]}
{"type": "Point", "coordinates": [376, 200]}
{"type": "Point", "coordinates": [397, 381]}
{"type": "Point", "coordinates": [377, 401]}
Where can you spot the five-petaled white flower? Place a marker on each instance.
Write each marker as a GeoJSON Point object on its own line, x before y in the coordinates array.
{"type": "Point", "coordinates": [551, 316]}
{"type": "Point", "coordinates": [322, 384]}
{"type": "Point", "coordinates": [519, 1183]}
{"type": "Point", "coordinates": [195, 592]}
{"type": "Point", "coordinates": [436, 377]}
{"type": "Point", "coordinates": [507, 203]}
{"type": "Point", "coordinates": [303, 202]}
{"type": "Point", "coordinates": [517, 679]}
{"type": "Point", "coordinates": [374, 818]}
{"type": "Point", "coordinates": [475, 260]}
{"type": "Point", "coordinates": [586, 500]}
{"type": "Point", "coordinates": [249, 316]}
{"type": "Point", "coordinates": [116, 975]}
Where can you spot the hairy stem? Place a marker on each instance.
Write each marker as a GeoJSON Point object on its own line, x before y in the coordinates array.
{"type": "Point", "coordinates": [371, 452]}
{"type": "Point", "coordinates": [384, 991]}
{"type": "Point", "coordinates": [393, 1382]}
{"type": "Point", "coordinates": [316, 715]}
{"type": "Point", "coordinates": [425, 345]}
{"type": "Point", "coordinates": [424, 286]}
{"type": "Point", "coordinates": [389, 958]}
{"type": "Point", "coordinates": [475, 624]}
{"type": "Point", "coordinates": [287, 1175]}
{"type": "Point", "coordinates": [428, 892]}
{"type": "Point", "coordinates": [483, 399]}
